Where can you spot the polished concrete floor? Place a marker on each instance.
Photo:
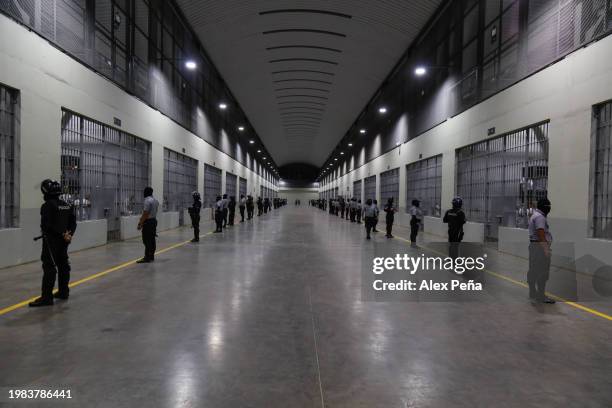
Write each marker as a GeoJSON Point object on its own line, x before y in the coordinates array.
{"type": "Point", "coordinates": [270, 314]}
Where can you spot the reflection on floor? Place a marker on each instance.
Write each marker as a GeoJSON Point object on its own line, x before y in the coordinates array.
{"type": "Point", "coordinates": [270, 314]}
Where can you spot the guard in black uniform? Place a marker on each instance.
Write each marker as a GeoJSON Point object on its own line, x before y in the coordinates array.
{"type": "Point", "coordinates": [57, 224]}
{"type": "Point", "coordinates": [455, 218]}
{"type": "Point", "coordinates": [231, 206]}
{"type": "Point", "coordinates": [390, 211]}
{"type": "Point", "coordinates": [250, 206]}
{"type": "Point", "coordinates": [194, 213]}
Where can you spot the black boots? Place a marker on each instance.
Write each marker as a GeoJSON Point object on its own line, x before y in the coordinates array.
{"type": "Point", "coordinates": [41, 302]}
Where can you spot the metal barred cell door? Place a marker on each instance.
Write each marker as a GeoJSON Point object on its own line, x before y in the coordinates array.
{"type": "Point", "coordinates": [9, 156]}
{"type": "Point", "coordinates": [369, 188]}
{"type": "Point", "coordinates": [104, 170]}
{"type": "Point", "coordinates": [357, 190]}
{"type": "Point", "coordinates": [501, 179]}
{"type": "Point", "coordinates": [601, 173]}
{"type": "Point", "coordinates": [424, 183]}
{"type": "Point", "coordinates": [231, 184]}
{"type": "Point", "coordinates": [389, 186]}
{"type": "Point", "coordinates": [242, 187]}
{"type": "Point", "coordinates": [180, 181]}
{"type": "Point", "coordinates": [212, 185]}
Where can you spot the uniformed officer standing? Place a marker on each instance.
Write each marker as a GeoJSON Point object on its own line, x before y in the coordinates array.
{"type": "Point", "coordinates": [148, 225]}
{"type": "Point", "coordinates": [390, 211]}
{"type": "Point", "coordinates": [57, 224]}
{"type": "Point", "coordinates": [375, 204]}
{"type": "Point", "coordinates": [259, 206]}
{"type": "Point", "coordinates": [455, 218]}
{"type": "Point", "coordinates": [231, 206]}
{"type": "Point", "coordinates": [369, 215]}
{"type": "Point", "coordinates": [416, 217]}
{"type": "Point", "coordinates": [225, 203]}
{"type": "Point", "coordinates": [250, 205]}
{"type": "Point", "coordinates": [194, 213]}
{"type": "Point", "coordinates": [539, 253]}
{"type": "Point", "coordinates": [219, 214]}
{"type": "Point", "coordinates": [242, 207]}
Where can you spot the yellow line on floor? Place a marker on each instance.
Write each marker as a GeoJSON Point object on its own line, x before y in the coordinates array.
{"type": "Point", "coordinates": [517, 282]}
{"type": "Point", "coordinates": [99, 274]}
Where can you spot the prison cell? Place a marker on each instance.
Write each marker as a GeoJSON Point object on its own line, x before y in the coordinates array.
{"type": "Point", "coordinates": [601, 180]}
{"type": "Point", "coordinates": [212, 185]}
{"type": "Point", "coordinates": [180, 181]}
{"type": "Point", "coordinates": [501, 179]}
{"type": "Point", "coordinates": [389, 186]}
{"type": "Point", "coordinates": [231, 184]}
{"type": "Point", "coordinates": [242, 187]}
{"type": "Point", "coordinates": [9, 147]}
{"type": "Point", "coordinates": [104, 170]}
{"type": "Point", "coordinates": [369, 188]}
{"type": "Point", "coordinates": [424, 183]}
{"type": "Point", "coordinates": [357, 189]}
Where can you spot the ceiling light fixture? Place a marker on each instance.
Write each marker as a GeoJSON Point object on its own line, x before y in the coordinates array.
{"type": "Point", "coordinates": [362, 131]}
{"type": "Point", "coordinates": [251, 141]}
{"type": "Point", "coordinates": [382, 110]}
{"type": "Point", "coordinates": [350, 145]}
{"type": "Point", "coordinates": [240, 128]}
{"type": "Point", "coordinates": [191, 65]}
{"type": "Point", "coordinates": [222, 106]}
{"type": "Point", "coordinates": [420, 71]}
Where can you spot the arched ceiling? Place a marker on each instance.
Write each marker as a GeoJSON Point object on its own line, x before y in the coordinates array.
{"type": "Point", "coordinates": [303, 70]}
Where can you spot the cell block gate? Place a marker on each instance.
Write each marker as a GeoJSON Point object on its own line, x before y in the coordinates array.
{"type": "Point", "coordinates": [104, 170]}
{"type": "Point", "coordinates": [501, 179]}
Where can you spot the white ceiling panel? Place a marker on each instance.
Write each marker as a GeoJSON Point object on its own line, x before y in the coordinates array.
{"type": "Point", "coordinates": [303, 70]}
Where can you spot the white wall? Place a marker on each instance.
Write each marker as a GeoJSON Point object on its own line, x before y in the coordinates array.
{"type": "Point", "coordinates": [563, 93]}
{"type": "Point", "coordinates": [49, 80]}
{"type": "Point", "coordinates": [303, 194]}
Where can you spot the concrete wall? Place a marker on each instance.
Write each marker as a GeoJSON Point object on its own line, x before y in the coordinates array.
{"type": "Point", "coordinates": [303, 194]}
{"type": "Point", "coordinates": [49, 80]}
{"type": "Point", "coordinates": [564, 94]}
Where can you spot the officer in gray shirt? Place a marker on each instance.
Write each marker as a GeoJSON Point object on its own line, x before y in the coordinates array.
{"type": "Point", "coordinates": [540, 240]}
{"type": "Point", "coordinates": [148, 225]}
{"type": "Point", "coordinates": [369, 216]}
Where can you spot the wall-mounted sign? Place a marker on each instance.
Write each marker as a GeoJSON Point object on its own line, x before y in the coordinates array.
{"type": "Point", "coordinates": [491, 131]}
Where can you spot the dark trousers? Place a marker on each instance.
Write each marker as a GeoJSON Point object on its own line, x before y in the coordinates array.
{"type": "Point", "coordinates": [54, 259]}
{"type": "Point", "coordinates": [149, 230]}
{"type": "Point", "coordinates": [358, 216]}
{"type": "Point", "coordinates": [241, 208]}
{"type": "Point", "coordinates": [454, 240]}
{"type": "Point", "coordinates": [195, 223]}
{"type": "Point", "coordinates": [352, 215]}
{"type": "Point", "coordinates": [219, 220]}
{"type": "Point", "coordinates": [341, 212]}
{"type": "Point", "coordinates": [369, 224]}
{"type": "Point", "coordinates": [259, 211]}
{"type": "Point", "coordinates": [232, 214]}
{"type": "Point", "coordinates": [250, 211]}
{"type": "Point", "coordinates": [389, 222]}
{"type": "Point", "coordinates": [225, 212]}
{"type": "Point", "coordinates": [539, 271]}
{"type": "Point", "coordinates": [414, 230]}
{"type": "Point", "coordinates": [375, 224]}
